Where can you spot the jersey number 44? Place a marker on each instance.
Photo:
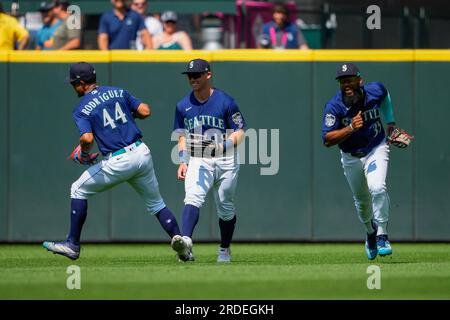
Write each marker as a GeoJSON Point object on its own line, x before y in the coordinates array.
{"type": "Point", "coordinates": [118, 115]}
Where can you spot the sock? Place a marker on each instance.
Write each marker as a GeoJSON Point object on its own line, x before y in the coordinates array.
{"type": "Point", "coordinates": [226, 231]}
{"type": "Point", "coordinates": [168, 222]}
{"type": "Point", "coordinates": [190, 218]}
{"type": "Point", "coordinates": [382, 228]}
{"type": "Point", "coordinates": [78, 213]}
{"type": "Point", "coordinates": [369, 227]}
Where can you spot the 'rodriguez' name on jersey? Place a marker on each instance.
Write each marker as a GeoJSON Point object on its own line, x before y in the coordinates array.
{"type": "Point", "coordinates": [107, 112]}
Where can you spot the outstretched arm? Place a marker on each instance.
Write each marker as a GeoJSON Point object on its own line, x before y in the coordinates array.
{"type": "Point", "coordinates": [86, 142]}
{"type": "Point", "coordinates": [387, 110]}
{"type": "Point", "coordinates": [81, 153]}
{"type": "Point", "coordinates": [143, 111]}
{"type": "Point", "coordinates": [235, 139]}
{"type": "Point", "coordinates": [182, 152]}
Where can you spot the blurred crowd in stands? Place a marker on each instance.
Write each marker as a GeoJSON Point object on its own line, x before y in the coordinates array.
{"type": "Point", "coordinates": [128, 25]}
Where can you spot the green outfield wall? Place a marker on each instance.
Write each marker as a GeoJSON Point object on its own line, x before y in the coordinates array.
{"type": "Point", "coordinates": [308, 199]}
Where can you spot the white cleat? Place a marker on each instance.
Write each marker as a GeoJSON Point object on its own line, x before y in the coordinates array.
{"type": "Point", "coordinates": [224, 255]}
{"type": "Point", "coordinates": [190, 255]}
{"type": "Point", "coordinates": [183, 247]}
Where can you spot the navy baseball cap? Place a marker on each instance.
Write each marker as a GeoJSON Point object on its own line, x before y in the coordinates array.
{"type": "Point", "coordinates": [347, 70]}
{"type": "Point", "coordinates": [197, 66]}
{"type": "Point", "coordinates": [81, 71]}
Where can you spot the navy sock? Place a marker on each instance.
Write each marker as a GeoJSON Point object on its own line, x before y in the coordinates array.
{"type": "Point", "coordinates": [226, 231]}
{"type": "Point", "coordinates": [190, 218]}
{"type": "Point", "coordinates": [78, 213]}
{"type": "Point", "coordinates": [168, 222]}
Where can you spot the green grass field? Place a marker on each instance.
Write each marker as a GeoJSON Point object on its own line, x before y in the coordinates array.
{"type": "Point", "coordinates": [258, 271]}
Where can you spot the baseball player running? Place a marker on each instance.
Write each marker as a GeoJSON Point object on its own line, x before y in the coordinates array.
{"type": "Point", "coordinates": [209, 125]}
{"type": "Point", "coordinates": [351, 120]}
{"type": "Point", "coordinates": [107, 114]}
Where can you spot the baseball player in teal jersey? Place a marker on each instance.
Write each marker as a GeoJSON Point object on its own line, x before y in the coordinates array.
{"type": "Point", "coordinates": [106, 115]}
{"type": "Point", "coordinates": [352, 120]}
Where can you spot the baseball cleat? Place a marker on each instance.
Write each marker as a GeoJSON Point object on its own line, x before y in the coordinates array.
{"type": "Point", "coordinates": [224, 255]}
{"type": "Point", "coordinates": [383, 245]}
{"type": "Point", "coordinates": [183, 247]}
{"type": "Point", "coordinates": [371, 245]}
{"type": "Point", "coordinates": [190, 254]}
{"type": "Point", "coordinates": [65, 248]}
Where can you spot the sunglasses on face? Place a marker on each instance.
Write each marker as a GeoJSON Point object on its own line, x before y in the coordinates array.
{"type": "Point", "coordinates": [75, 83]}
{"type": "Point", "coordinates": [194, 75]}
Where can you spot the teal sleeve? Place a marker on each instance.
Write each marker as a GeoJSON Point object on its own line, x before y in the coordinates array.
{"type": "Point", "coordinates": [387, 110]}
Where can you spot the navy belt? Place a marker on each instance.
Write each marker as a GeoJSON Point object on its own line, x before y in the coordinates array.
{"type": "Point", "coordinates": [359, 154]}
{"type": "Point", "coordinates": [123, 150]}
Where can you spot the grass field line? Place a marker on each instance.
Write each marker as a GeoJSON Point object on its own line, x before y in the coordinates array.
{"type": "Point", "coordinates": [258, 271]}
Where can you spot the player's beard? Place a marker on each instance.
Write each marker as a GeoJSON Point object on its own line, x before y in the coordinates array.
{"type": "Point", "coordinates": [355, 100]}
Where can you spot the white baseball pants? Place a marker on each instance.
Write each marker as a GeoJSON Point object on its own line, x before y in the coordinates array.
{"type": "Point", "coordinates": [367, 180]}
{"type": "Point", "coordinates": [135, 166]}
{"type": "Point", "coordinates": [221, 175]}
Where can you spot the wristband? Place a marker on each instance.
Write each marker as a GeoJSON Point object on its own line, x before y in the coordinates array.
{"type": "Point", "coordinates": [183, 156]}
{"type": "Point", "coordinates": [351, 127]}
{"type": "Point", "coordinates": [228, 144]}
{"type": "Point", "coordinates": [84, 154]}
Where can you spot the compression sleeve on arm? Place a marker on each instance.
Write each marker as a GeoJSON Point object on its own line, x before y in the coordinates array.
{"type": "Point", "coordinates": [387, 110]}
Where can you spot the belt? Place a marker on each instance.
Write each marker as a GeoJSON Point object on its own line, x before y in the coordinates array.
{"type": "Point", "coordinates": [123, 150]}
{"type": "Point", "coordinates": [359, 154]}
{"type": "Point", "coordinates": [200, 153]}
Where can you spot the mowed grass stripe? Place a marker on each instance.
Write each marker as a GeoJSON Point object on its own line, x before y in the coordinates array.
{"type": "Point", "coordinates": [258, 271]}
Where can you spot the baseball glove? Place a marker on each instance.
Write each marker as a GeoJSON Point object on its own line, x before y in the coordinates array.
{"type": "Point", "coordinates": [398, 137]}
{"type": "Point", "coordinates": [80, 157]}
{"type": "Point", "coordinates": [201, 145]}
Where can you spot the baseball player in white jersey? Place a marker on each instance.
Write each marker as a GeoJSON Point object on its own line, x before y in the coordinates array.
{"type": "Point", "coordinates": [210, 125]}
{"type": "Point", "coordinates": [352, 120]}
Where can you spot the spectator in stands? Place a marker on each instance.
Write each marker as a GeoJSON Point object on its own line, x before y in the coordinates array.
{"type": "Point", "coordinates": [153, 25]}
{"type": "Point", "coordinates": [11, 32]}
{"type": "Point", "coordinates": [50, 24]}
{"type": "Point", "coordinates": [119, 28]}
{"type": "Point", "coordinates": [171, 39]}
{"type": "Point", "coordinates": [280, 33]}
{"type": "Point", "coordinates": [65, 37]}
